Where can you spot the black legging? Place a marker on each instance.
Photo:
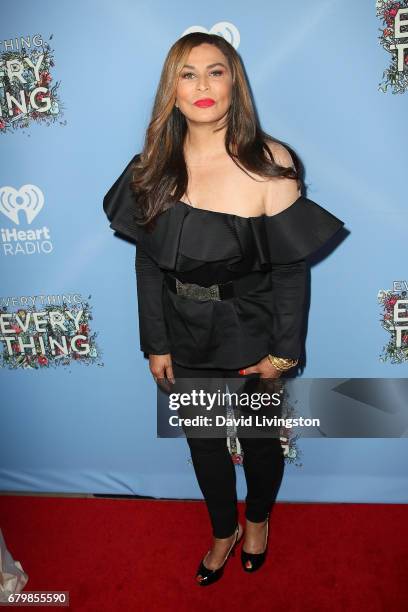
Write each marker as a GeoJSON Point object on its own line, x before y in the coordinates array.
{"type": "Point", "coordinates": [263, 467]}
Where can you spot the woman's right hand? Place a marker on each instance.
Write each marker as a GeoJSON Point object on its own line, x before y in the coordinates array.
{"type": "Point", "coordinates": [161, 368]}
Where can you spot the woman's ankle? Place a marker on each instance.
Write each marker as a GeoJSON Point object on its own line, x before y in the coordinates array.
{"type": "Point", "coordinates": [257, 522]}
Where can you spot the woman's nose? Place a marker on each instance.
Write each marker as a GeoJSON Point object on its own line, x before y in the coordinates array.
{"type": "Point", "coordinates": [202, 83]}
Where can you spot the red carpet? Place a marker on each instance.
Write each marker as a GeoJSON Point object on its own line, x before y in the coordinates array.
{"type": "Point", "coordinates": [127, 555]}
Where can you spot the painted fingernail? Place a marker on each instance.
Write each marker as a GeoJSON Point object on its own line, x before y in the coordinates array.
{"type": "Point", "coordinates": [241, 371]}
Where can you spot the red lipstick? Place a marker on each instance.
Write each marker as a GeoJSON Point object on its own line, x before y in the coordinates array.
{"type": "Point", "coordinates": [204, 102]}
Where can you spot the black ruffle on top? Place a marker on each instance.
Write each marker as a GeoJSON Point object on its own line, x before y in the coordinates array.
{"type": "Point", "coordinates": [207, 247]}
{"type": "Point", "coordinates": [293, 234]}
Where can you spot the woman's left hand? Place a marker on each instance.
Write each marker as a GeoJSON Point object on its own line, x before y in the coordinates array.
{"type": "Point", "coordinates": [264, 368]}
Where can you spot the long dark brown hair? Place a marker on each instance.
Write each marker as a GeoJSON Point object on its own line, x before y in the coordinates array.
{"type": "Point", "coordinates": [159, 172]}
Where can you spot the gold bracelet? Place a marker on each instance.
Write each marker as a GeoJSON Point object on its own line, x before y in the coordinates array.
{"type": "Point", "coordinates": [282, 364]}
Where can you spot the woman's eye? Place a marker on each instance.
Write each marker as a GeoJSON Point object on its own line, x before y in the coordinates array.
{"type": "Point", "coordinates": [188, 74]}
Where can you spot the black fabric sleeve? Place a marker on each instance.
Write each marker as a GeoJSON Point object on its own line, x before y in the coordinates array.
{"type": "Point", "coordinates": [152, 326]}
{"type": "Point", "coordinates": [288, 296]}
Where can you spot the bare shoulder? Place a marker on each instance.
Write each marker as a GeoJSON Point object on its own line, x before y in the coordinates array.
{"type": "Point", "coordinates": [280, 193]}
{"type": "Point", "coordinates": [280, 153]}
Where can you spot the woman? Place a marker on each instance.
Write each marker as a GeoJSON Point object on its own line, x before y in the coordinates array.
{"type": "Point", "coordinates": [222, 235]}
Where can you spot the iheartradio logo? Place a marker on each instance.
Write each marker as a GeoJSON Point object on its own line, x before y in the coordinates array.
{"type": "Point", "coordinates": [21, 206]}
{"type": "Point", "coordinates": [29, 198]}
{"type": "Point", "coordinates": [226, 29]}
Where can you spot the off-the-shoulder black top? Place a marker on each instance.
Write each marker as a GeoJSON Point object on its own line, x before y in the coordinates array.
{"type": "Point", "coordinates": [209, 247]}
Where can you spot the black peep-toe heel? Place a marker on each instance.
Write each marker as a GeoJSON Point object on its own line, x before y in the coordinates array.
{"type": "Point", "coordinates": [253, 561]}
{"type": "Point", "coordinates": [206, 576]}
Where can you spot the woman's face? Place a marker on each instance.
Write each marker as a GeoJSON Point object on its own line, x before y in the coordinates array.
{"type": "Point", "coordinates": [205, 77]}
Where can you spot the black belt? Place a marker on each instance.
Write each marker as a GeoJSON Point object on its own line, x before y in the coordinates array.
{"type": "Point", "coordinates": [223, 291]}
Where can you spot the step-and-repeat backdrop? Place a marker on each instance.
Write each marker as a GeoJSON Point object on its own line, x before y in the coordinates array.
{"type": "Point", "coordinates": [77, 81]}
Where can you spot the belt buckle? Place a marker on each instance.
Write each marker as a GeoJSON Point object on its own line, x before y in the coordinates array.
{"type": "Point", "coordinates": [192, 290]}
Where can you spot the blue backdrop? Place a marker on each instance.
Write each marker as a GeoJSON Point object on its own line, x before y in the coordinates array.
{"type": "Point", "coordinates": [87, 423]}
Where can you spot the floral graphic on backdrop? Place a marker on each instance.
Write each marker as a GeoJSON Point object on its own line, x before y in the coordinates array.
{"type": "Point", "coordinates": [288, 439]}
{"type": "Point", "coordinates": [394, 39]}
{"type": "Point", "coordinates": [27, 89]}
{"type": "Point", "coordinates": [394, 319]}
{"type": "Point", "coordinates": [56, 335]}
